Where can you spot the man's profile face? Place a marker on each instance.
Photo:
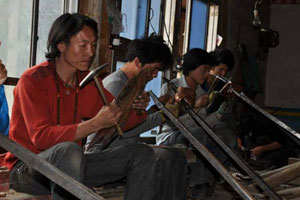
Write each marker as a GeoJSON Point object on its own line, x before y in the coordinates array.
{"type": "Point", "coordinates": [200, 73]}
{"type": "Point", "coordinates": [154, 67]}
{"type": "Point", "coordinates": [220, 70]}
{"type": "Point", "coordinates": [79, 52]}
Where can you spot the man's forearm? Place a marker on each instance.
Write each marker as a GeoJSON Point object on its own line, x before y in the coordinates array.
{"type": "Point", "coordinates": [271, 146]}
{"type": "Point", "coordinates": [85, 128]}
{"type": "Point", "coordinates": [152, 121]}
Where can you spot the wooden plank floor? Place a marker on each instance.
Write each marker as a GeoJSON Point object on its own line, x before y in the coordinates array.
{"type": "Point", "coordinates": [220, 193]}
{"type": "Point", "coordinates": [13, 195]}
{"type": "Point", "coordinates": [109, 194]}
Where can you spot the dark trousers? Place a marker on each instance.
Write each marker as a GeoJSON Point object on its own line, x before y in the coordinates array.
{"type": "Point", "coordinates": [201, 171]}
{"type": "Point", "coordinates": [135, 162]}
{"type": "Point", "coordinates": [171, 173]}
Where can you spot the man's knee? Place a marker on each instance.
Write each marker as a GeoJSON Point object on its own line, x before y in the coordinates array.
{"type": "Point", "coordinates": [65, 152]}
{"type": "Point", "coordinates": [178, 154]}
{"type": "Point", "coordinates": [143, 151]}
{"type": "Point", "coordinates": [68, 148]}
{"type": "Point", "coordinates": [171, 154]}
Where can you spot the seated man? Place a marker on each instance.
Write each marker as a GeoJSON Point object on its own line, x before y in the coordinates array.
{"type": "Point", "coordinates": [225, 128]}
{"type": "Point", "coordinates": [152, 53]}
{"type": "Point", "coordinates": [149, 52]}
{"type": "Point", "coordinates": [223, 63]}
{"type": "Point", "coordinates": [196, 65]}
{"type": "Point", "coordinates": [47, 119]}
{"type": "Point", "coordinates": [263, 140]}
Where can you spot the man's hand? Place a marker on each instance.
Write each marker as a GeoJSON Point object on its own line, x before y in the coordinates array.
{"type": "Point", "coordinates": [257, 151]}
{"type": "Point", "coordinates": [201, 101]}
{"type": "Point", "coordinates": [141, 102]}
{"type": "Point", "coordinates": [185, 93]}
{"type": "Point", "coordinates": [3, 73]}
{"type": "Point", "coordinates": [239, 143]}
{"type": "Point", "coordinates": [108, 116]}
{"type": "Point", "coordinates": [173, 108]}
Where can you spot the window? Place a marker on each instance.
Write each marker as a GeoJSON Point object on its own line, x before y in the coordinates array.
{"type": "Point", "coordinates": [48, 12]}
{"type": "Point", "coordinates": [135, 17]}
{"type": "Point", "coordinates": [154, 16]}
{"type": "Point", "coordinates": [17, 49]}
{"type": "Point", "coordinates": [200, 25]}
{"type": "Point", "coordinates": [15, 35]}
{"type": "Point", "coordinates": [212, 27]}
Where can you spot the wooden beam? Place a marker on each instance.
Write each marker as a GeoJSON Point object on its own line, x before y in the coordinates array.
{"type": "Point", "coordinates": [11, 81]}
{"type": "Point", "coordinates": [285, 175]}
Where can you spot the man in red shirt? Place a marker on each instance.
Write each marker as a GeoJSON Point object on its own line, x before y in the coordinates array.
{"type": "Point", "coordinates": [47, 119]}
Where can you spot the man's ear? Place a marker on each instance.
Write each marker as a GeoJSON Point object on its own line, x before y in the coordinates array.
{"type": "Point", "coordinates": [61, 46]}
{"type": "Point", "coordinates": [137, 62]}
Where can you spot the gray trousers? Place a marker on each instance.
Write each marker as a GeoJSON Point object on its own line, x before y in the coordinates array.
{"type": "Point", "coordinates": [136, 162]}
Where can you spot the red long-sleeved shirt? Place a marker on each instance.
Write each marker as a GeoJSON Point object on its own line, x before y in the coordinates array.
{"type": "Point", "coordinates": [34, 113]}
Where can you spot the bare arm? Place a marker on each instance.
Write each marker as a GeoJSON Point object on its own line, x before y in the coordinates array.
{"type": "Point", "coordinates": [263, 148]}
{"type": "Point", "coordinates": [202, 101]}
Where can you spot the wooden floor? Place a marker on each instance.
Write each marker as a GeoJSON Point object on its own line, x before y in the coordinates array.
{"type": "Point", "coordinates": [109, 194]}
{"type": "Point", "coordinates": [13, 195]}
{"type": "Point", "coordinates": [222, 190]}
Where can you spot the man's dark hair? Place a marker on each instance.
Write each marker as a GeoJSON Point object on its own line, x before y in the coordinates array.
{"type": "Point", "coordinates": [150, 50]}
{"type": "Point", "coordinates": [64, 28]}
{"type": "Point", "coordinates": [194, 58]}
{"type": "Point", "coordinates": [223, 56]}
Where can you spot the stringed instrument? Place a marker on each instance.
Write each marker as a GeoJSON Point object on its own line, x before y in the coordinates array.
{"type": "Point", "coordinates": [133, 88]}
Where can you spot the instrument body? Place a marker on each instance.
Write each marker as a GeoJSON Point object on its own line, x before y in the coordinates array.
{"type": "Point", "coordinates": [133, 88]}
